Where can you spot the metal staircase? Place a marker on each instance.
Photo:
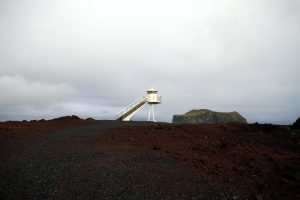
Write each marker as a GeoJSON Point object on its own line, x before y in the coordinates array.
{"type": "Point", "coordinates": [130, 110]}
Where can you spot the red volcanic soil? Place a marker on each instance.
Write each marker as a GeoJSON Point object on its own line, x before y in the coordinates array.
{"type": "Point", "coordinates": [71, 158]}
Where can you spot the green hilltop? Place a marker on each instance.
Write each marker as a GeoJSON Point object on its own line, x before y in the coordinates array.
{"type": "Point", "coordinates": [205, 116]}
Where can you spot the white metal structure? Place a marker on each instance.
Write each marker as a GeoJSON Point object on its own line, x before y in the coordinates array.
{"type": "Point", "coordinates": [151, 98]}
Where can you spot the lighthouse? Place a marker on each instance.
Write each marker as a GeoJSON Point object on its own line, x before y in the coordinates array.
{"type": "Point", "coordinates": [151, 98]}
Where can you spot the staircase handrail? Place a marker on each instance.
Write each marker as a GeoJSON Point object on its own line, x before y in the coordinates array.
{"type": "Point", "coordinates": [133, 104]}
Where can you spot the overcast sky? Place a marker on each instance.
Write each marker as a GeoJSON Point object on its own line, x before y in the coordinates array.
{"type": "Point", "coordinates": [91, 58]}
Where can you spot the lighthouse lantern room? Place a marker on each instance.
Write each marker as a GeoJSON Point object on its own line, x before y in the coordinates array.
{"type": "Point", "coordinates": [153, 97]}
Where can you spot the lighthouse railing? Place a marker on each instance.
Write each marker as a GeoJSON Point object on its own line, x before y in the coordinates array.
{"type": "Point", "coordinates": [159, 99]}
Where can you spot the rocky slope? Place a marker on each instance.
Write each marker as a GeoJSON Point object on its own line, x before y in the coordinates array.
{"type": "Point", "coordinates": [296, 124]}
{"type": "Point", "coordinates": [204, 116]}
{"type": "Point", "coordinates": [70, 158]}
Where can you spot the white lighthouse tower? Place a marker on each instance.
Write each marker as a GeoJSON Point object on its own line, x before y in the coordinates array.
{"type": "Point", "coordinates": [151, 98]}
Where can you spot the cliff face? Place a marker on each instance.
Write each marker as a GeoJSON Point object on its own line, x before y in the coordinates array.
{"type": "Point", "coordinates": [296, 124]}
{"type": "Point", "coordinates": [204, 116]}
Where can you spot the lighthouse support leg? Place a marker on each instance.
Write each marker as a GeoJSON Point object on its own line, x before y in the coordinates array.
{"type": "Point", "coordinates": [151, 114]}
{"type": "Point", "coordinates": [153, 119]}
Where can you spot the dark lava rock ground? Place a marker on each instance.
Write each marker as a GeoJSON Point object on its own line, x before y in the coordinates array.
{"type": "Point", "coordinates": [71, 158]}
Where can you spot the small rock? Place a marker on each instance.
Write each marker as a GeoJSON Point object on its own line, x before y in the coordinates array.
{"type": "Point", "coordinates": [156, 147]}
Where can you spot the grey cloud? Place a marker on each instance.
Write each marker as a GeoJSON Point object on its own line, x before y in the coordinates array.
{"type": "Point", "coordinates": [221, 55]}
{"type": "Point", "coordinates": [17, 90]}
{"type": "Point", "coordinates": [21, 95]}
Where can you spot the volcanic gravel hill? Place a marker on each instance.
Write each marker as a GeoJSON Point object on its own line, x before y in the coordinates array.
{"type": "Point", "coordinates": [71, 158]}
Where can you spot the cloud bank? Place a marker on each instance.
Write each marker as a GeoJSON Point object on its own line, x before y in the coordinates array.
{"type": "Point", "coordinates": [21, 97]}
{"type": "Point", "coordinates": [221, 55]}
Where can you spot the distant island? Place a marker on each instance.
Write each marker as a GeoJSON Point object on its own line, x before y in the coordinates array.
{"type": "Point", "coordinates": [205, 116]}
